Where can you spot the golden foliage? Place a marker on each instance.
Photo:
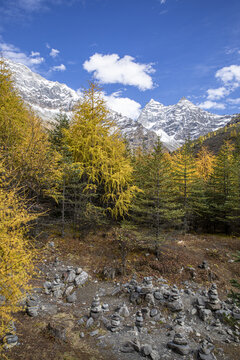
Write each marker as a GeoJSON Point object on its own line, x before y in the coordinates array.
{"type": "Point", "coordinates": [16, 256]}
{"type": "Point", "coordinates": [24, 142]}
{"type": "Point", "coordinates": [99, 151]}
{"type": "Point", "coordinates": [205, 163]}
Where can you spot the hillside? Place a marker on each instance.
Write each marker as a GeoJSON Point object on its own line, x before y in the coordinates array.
{"type": "Point", "coordinates": [172, 123]}
{"type": "Point", "coordinates": [214, 140]}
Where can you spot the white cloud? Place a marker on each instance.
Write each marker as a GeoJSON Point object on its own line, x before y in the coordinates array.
{"type": "Point", "coordinates": [54, 53]}
{"type": "Point", "coordinates": [123, 105]}
{"type": "Point", "coordinates": [163, 1]}
{"type": "Point", "coordinates": [230, 75]}
{"type": "Point", "coordinates": [110, 69]}
{"type": "Point", "coordinates": [13, 53]}
{"type": "Point", "coordinates": [61, 67]}
{"type": "Point", "coordinates": [216, 94]}
{"type": "Point", "coordinates": [30, 5]}
{"type": "Point", "coordinates": [234, 101]}
{"type": "Point", "coordinates": [34, 53]}
{"type": "Point", "coordinates": [211, 105]}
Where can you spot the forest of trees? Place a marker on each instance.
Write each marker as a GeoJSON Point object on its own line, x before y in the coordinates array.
{"type": "Point", "coordinates": [81, 174]}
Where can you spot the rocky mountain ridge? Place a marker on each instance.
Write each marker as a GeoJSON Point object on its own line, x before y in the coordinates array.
{"type": "Point", "coordinates": [181, 120]}
{"type": "Point", "coordinates": [173, 123]}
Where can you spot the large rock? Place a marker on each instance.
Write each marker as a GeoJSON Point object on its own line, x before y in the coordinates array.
{"type": "Point", "coordinates": [81, 279]}
{"type": "Point", "coordinates": [179, 344]}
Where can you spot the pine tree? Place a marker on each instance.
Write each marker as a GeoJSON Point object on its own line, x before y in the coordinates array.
{"type": "Point", "coordinates": [233, 199]}
{"type": "Point", "coordinates": [184, 173]}
{"type": "Point", "coordinates": [221, 186]}
{"type": "Point", "coordinates": [156, 205]}
{"type": "Point", "coordinates": [199, 202]}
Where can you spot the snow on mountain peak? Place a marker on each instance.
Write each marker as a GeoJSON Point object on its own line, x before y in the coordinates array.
{"type": "Point", "coordinates": [173, 123]}
{"type": "Point", "coordinates": [181, 120]}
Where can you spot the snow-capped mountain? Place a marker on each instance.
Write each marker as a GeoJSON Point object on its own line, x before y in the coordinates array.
{"type": "Point", "coordinates": [48, 98]}
{"type": "Point", "coordinates": [172, 123]}
{"type": "Point", "coordinates": [181, 120]}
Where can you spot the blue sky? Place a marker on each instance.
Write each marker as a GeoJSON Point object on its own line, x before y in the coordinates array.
{"type": "Point", "coordinates": [136, 49]}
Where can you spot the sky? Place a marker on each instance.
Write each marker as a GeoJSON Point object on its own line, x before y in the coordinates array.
{"type": "Point", "coordinates": [136, 50]}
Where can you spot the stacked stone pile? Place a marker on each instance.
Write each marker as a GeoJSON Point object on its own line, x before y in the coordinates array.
{"type": "Point", "coordinates": [179, 344]}
{"type": "Point", "coordinates": [32, 306]}
{"type": "Point", "coordinates": [96, 308]}
{"type": "Point", "coordinates": [64, 285]}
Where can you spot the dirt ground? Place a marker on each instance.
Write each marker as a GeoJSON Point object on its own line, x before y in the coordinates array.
{"type": "Point", "coordinates": [180, 257]}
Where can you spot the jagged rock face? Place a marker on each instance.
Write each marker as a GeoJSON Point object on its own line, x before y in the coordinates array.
{"type": "Point", "coordinates": [39, 92]}
{"type": "Point", "coordinates": [47, 98]}
{"type": "Point", "coordinates": [172, 123]}
{"type": "Point", "coordinates": [180, 121]}
{"type": "Point", "coordinates": [134, 132]}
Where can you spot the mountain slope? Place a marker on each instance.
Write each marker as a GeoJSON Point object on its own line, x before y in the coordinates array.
{"type": "Point", "coordinates": [214, 140]}
{"type": "Point", "coordinates": [47, 98]}
{"type": "Point", "coordinates": [172, 123]}
{"type": "Point", "coordinates": [181, 120]}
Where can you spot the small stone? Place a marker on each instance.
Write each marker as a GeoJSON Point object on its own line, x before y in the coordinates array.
{"type": "Point", "coordinates": [72, 298]}
{"type": "Point", "coordinates": [81, 278]}
{"type": "Point", "coordinates": [32, 311]}
{"type": "Point", "coordinates": [90, 322]}
{"type": "Point", "coordinates": [71, 276]}
{"type": "Point", "coordinates": [68, 290]}
{"type": "Point", "coordinates": [150, 299]}
{"type": "Point", "coordinates": [116, 291]}
{"type": "Point", "coordinates": [194, 311]}
{"type": "Point", "coordinates": [82, 320]}
{"type": "Point", "coordinates": [11, 339]}
{"type": "Point", "coordinates": [105, 307]}
{"type": "Point", "coordinates": [153, 312]}
{"type": "Point", "coordinates": [124, 311]}
{"type": "Point", "coordinates": [146, 350]}
{"type": "Point", "coordinates": [58, 294]}
{"type": "Point", "coordinates": [78, 271]}
{"type": "Point", "coordinates": [94, 333]}
{"type": "Point", "coordinates": [47, 285]}
{"type": "Point", "coordinates": [205, 314]}
{"type": "Point", "coordinates": [158, 295]}
{"type": "Point", "coordinates": [139, 320]}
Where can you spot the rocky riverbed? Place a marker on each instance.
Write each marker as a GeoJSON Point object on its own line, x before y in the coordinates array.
{"type": "Point", "coordinates": [147, 318]}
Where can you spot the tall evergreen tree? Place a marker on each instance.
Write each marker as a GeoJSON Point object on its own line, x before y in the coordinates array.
{"type": "Point", "coordinates": [221, 188]}
{"type": "Point", "coordinates": [184, 172]}
{"type": "Point", "coordinates": [156, 205]}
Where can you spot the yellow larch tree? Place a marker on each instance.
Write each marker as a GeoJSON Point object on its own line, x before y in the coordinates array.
{"type": "Point", "coordinates": [16, 255]}
{"type": "Point", "coordinates": [205, 163]}
{"type": "Point", "coordinates": [99, 151]}
{"type": "Point", "coordinates": [24, 142]}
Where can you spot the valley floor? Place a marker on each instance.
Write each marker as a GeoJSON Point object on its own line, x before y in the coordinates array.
{"type": "Point", "coordinates": [99, 251]}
